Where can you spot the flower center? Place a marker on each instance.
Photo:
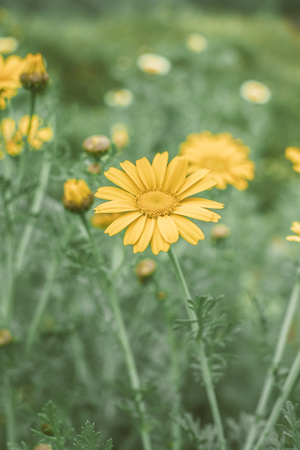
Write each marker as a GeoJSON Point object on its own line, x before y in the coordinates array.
{"type": "Point", "coordinates": [218, 164]}
{"type": "Point", "coordinates": [156, 203]}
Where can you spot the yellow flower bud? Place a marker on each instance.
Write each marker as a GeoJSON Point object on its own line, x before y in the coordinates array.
{"type": "Point", "coordinates": [34, 76]}
{"type": "Point", "coordinates": [144, 269]}
{"type": "Point", "coordinates": [220, 231]}
{"type": "Point", "coordinates": [94, 168]}
{"type": "Point", "coordinates": [97, 145]}
{"type": "Point", "coordinates": [5, 337]}
{"type": "Point", "coordinates": [119, 133]}
{"type": "Point", "coordinates": [77, 196]}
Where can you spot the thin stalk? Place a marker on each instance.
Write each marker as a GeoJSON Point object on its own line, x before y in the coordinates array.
{"type": "Point", "coordinates": [175, 375]}
{"type": "Point", "coordinates": [34, 211]}
{"type": "Point", "coordinates": [285, 391]}
{"type": "Point", "coordinates": [23, 156]}
{"type": "Point", "coordinates": [271, 375]}
{"type": "Point", "coordinates": [10, 411]}
{"type": "Point", "coordinates": [124, 341]}
{"type": "Point", "coordinates": [207, 376]}
{"type": "Point", "coordinates": [7, 307]}
{"type": "Point", "coordinates": [43, 300]}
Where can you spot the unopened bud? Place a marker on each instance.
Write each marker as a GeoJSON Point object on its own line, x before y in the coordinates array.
{"type": "Point", "coordinates": [220, 231]}
{"type": "Point", "coordinates": [77, 196]}
{"type": "Point", "coordinates": [145, 269]}
{"type": "Point", "coordinates": [97, 145]}
{"type": "Point", "coordinates": [5, 337]}
{"type": "Point", "coordinates": [34, 76]}
{"type": "Point", "coordinates": [94, 168]}
{"type": "Point", "coordinates": [43, 447]}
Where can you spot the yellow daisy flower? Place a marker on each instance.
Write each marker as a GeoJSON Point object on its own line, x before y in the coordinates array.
{"type": "Point", "coordinates": [37, 135]}
{"type": "Point", "coordinates": [10, 70]}
{"type": "Point", "coordinates": [154, 64]}
{"type": "Point", "coordinates": [14, 137]}
{"type": "Point", "coordinates": [293, 154]}
{"type": "Point", "coordinates": [255, 92]}
{"type": "Point", "coordinates": [196, 42]}
{"type": "Point", "coordinates": [226, 157]}
{"type": "Point", "coordinates": [8, 44]}
{"type": "Point", "coordinates": [154, 201]}
{"type": "Point", "coordinates": [295, 229]}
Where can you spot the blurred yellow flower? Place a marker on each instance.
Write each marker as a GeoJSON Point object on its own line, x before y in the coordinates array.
{"type": "Point", "coordinates": [10, 70]}
{"type": "Point", "coordinates": [295, 229]}
{"type": "Point", "coordinates": [8, 44]}
{"type": "Point", "coordinates": [34, 75]}
{"type": "Point", "coordinates": [196, 42]}
{"type": "Point", "coordinates": [220, 231]}
{"type": "Point", "coordinates": [104, 219]}
{"type": "Point", "coordinates": [77, 196]}
{"type": "Point", "coordinates": [120, 98]}
{"type": "Point", "coordinates": [255, 92]}
{"type": "Point", "coordinates": [37, 135]}
{"type": "Point", "coordinates": [14, 137]}
{"type": "Point", "coordinates": [144, 269]}
{"type": "Point", "coordinates": [154, 201]}
{"type": "Point", "coordinates": [293, 154]}
{"type": "Point", "coordinates": [119, 135]}
{"type": "Point", "coordinates": [154, 64]}
{"type": "Point", "coordinates": [226, 157]}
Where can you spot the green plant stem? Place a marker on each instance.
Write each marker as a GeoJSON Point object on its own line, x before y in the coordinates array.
{"type": "Point", "coordinates": [207, 376]}
{"type": "Point", "coordinates": [124, 341]}
{"type": "Point", "coordinates": [175, 375]}
{"type": "Point", "coordinates": [285, 391]}
{"type": "Point", "coordinates": [43, 300]}
{"type": "Point", "coordinates": [7, 306]}
{"type": "Point", "coordinates": [10, 411]}
{"type": "Point", "coordinates": [271, 375]}
{"type": "Point", "coordinates": [23, 156]}
{"type": "Point", "coordinates": [34, 211]}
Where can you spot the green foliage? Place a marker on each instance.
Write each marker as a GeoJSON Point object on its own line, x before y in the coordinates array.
{"type": "Point", "coordinates": [90, 440]}
{"type": "Point", "coordinates": [54, 431]}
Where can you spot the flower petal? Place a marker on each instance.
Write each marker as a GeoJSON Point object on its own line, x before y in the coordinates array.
{"type": "Point", "coordinates": [202, 202]}
{"type": "Point", "coordinates": [45, 134]}
{"type": "Point", "coordinates": [168, 229]}
{"type": "Point", "coordinates": [113, 193]}
{"type": "Point", "coordinates": [175, 174]}
{"type": "Point", "coordinates": [157, 242]}
{"type": "Point", "coordinates": [195, 212]}
{"type": "Point", "coordinates": [122, 179]}
{"type": "Point", "coordinates": [115, 206]}
{"type": "Point", "coordinates": [187, 229]}
{"type": "Point", "coordinates": [159, 165]}
{"type": "Point", "coordinates": [131, 170]}
{"type": "Point", "coordinates": [122, 222]}
{"type": "Point", "coordinates": [146, 236]}
{"type": "Point", "coordinates": [146, 173]}
{"type": "Point", "coordinates": [199, 186]}
{"type": "Point", "coordinates": [134, 231]}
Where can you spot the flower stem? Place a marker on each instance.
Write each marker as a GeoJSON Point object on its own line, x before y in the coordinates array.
{"type": "Point", "coordinates": [124, 341]}
{"type": "Point", "coordinates": [34, 211]}
{"type": "Point", "coordinates": [271, 375]}
{"type": "Point", "coordinates": [7, 306]}
{"type": "Point", "coordinates": [285, 391]}
{"type": "Point", "coordinates": [23, 156]}
{"type": "Point", "coordinates": [10, 411]}
{"type": "Point", "coordinates": [43, 300]}
{"type": "Point", "coordinates": [207, 376]}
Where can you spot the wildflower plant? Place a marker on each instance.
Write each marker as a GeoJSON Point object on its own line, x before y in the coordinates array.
{"type": "Point", "coordinates": [104, 310]}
